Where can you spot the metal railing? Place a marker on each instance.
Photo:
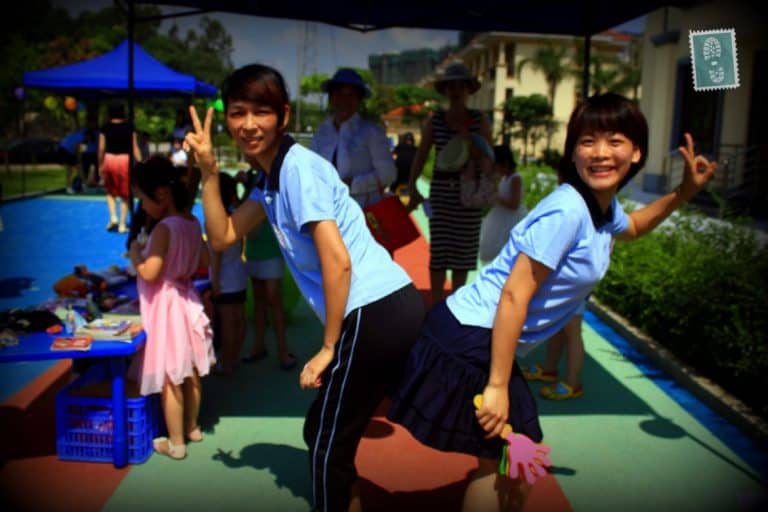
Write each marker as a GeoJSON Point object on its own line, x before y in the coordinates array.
{"type": "Point", "coordinates": [740, 178]}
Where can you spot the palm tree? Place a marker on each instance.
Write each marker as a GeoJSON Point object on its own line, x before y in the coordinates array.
{"type": "Point", "coordinates": [554, 63]}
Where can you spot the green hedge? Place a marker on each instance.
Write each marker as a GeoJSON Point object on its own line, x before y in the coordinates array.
{"type": "Point", "coordinates": [696, 285]}
{"type": "Point", "coordinates": [701, 289]}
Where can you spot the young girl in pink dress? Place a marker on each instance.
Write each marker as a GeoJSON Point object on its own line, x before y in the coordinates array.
{"type": "Point", "coordinates": [179, 346]}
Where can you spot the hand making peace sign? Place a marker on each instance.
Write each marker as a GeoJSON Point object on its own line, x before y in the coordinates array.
{"type": "Point", "coordinates": [698, 170]}
{"type": "Point", "coordinates": [200, 142]}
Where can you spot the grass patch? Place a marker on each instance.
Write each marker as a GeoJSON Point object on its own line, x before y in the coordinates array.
{"type": "Point", "coordinates": [32, 180]}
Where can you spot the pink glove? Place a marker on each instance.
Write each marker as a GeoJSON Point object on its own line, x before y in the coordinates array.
{"type": "Point", "coordinates": [521, 454]}
{"type": "Point", "coordinates": [526, 456]}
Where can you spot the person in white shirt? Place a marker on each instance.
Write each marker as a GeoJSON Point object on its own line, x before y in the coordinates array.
{"type": "Point", "coordinates": [357, 148]}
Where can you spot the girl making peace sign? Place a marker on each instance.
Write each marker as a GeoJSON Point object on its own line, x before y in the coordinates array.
{"type": "Point", "coordinates": [348, 279]}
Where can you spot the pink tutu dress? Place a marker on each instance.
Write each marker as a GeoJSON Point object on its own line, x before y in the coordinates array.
{"type": "Point", "coordinates": [179, 335]}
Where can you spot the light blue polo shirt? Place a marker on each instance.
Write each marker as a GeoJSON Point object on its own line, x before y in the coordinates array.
{"type": "Point", "coordinates": [562, 233]}
{"type": "Point", "coordinates": [303, 187]}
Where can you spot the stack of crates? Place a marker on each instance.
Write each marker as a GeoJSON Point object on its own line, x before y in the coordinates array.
{"type": "Point", "coordinates": [84, 420]}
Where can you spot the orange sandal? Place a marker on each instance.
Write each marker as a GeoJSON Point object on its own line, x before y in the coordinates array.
{"type": "Point", "coordinates": [536, 372]}
{"type": "Point", "coordinates": [561, 391]}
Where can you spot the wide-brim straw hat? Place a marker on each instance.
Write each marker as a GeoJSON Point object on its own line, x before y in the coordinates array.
{"type": "Point", "coordinates": [457, 72]}
{"type": "Point", "coordinates": [346, 77]}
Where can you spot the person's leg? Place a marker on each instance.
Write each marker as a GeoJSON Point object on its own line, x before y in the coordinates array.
{"type": "Point", "coordinates": [437, 282]}
{"type": "Point", "coordinates": [173, 411]}
{"type": "Point", "coordinates": [70, 171]}
{"type": "Point", "coordinates": [488, 491]}
{"type": "Point", "coordinates": [368, 362]}
{"type": "Point", "coordinates": [239, 322]}
{"type": "Point", "coordinates": [273, 289]}
{"type": "Point", "coordinates": [192, 399]}
{"type": "Point", "coordinates": [458, 278]}
{"type": "Point", "coordinates": [229, 316]}
{"type": "Point", "coordinates": [122, 227]}
{"type": "Point", "coordinates": [259, 317]}
{"type": "Point", "coordinates": [111, 207]}
{"type": "Point", "coordinates": [555, 347]}
{"type": "Point", "coordinates": [574, 351]}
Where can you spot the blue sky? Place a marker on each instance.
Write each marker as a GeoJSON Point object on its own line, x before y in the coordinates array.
{"type": "Point", "coordinates": [277, 42]}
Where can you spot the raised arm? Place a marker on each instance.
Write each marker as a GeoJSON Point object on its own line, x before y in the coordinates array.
{"type": "Point", "coordinates": [698, 171]}
{"type": "Point", "coordinates": [525, 278]}
{"type": "Point", "coordinates": [223, 230]}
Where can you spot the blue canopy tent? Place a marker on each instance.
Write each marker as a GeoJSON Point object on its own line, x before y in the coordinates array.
{"type": "Point", "coordinates": [108, 75]}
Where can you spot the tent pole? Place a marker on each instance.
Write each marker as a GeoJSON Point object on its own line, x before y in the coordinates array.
{"type": "Point", "coordinates": [131, 29]}
{"type": "Point", "coordinates": [585, 71]}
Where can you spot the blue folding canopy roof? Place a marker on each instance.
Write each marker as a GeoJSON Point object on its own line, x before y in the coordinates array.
{"type": "Point", "coordinates": [107, 75]}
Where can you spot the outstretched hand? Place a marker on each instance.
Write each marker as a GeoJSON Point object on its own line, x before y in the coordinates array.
{"type": "Point", "coordinates": [199, 141]}
{"type": "Point", "coordinates": [698, 170]}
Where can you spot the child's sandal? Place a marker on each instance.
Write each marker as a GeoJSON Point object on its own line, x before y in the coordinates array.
{"type": "Point", "coordinates": [560, 391]}
{"type": "Point", "coordinates": [164, 446]}
{"type": "Point", "coordinates": [195, 435]}
{"type": "Point", "coordinates": [536, 372]}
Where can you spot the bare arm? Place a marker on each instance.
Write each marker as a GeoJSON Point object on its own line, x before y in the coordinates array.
{"type": "Point", "coordinates": [516, 187]}
{"type": "Point", "coordinates": [336, 267]}
{"type": "Point", "coordinates": [223, 230]}
{"type": "Point", "coordinates": [149, 268]}
{"type": "Point", "coordinates": [102, 151]}
{"type": "Point", "coordinates": [485, 129]}
{"type": "Point", "coordinates": [418, 164]}
{"type": "Point", "coordinates": [525, 278]}
{"type": "Point", "coordinates": [136, 150]}
{"type": "Point", "coordinates": [698, 171]}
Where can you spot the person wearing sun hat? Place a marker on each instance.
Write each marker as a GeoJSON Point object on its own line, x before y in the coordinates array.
{"type": "Point", "coordinates": [454, 229]}
{"type": "Point", "coordinates": [357, 148]}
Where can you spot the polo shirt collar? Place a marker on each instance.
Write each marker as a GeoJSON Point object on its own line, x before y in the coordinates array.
{"type": "Point", "coordinates": [273, 178]}
{"type": "Point", "coordinates": [599, 218]}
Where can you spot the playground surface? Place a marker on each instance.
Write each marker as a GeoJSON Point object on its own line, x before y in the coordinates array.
{"type": "Point", "coordinates": [636, 440]}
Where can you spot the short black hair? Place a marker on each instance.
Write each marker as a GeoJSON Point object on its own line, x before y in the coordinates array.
{"type": "Point", "coordinates": [257, 83]}
{"type": "Point", "coordinates": [158, 171]}
{"type": "Point", "coordinates": [608, 112]}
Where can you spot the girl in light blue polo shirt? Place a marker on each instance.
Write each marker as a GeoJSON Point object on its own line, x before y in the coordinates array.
{"type": "Point", "coordinates": [370, 310]}
{"type": "Point", "coordinates": [553, 258]}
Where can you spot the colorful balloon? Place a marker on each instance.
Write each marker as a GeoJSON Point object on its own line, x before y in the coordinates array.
{"type": "Point", "coordinates": [70, 103]}
{"type": "Point", "coordinates": [50, 102]}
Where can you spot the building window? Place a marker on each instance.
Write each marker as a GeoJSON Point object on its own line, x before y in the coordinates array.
{"type": "Point", "coordinates": [509, 54]}
{"type": "Point", "coordinates": [509, 93]}
{"type": "Point", "coordinates": [697, 113]}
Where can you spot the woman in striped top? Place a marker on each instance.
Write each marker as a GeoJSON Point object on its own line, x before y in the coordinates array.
{"type": "Point", "coordinates": [454, 229]}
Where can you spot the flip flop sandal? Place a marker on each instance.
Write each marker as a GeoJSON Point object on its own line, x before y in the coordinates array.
{"type": "Point", "coordinates": [195, 435]}
{"type": "Point", "coordinates": [536, 372]}
{"type": "Point", "coordinates": [560, 391]}
{"type": "Point", "coordinates": [252, 358]}
{"type": "Point", "coordinates": [290, 364]}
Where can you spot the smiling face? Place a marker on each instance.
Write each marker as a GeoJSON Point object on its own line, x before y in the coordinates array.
{"type": "Point", "coordinates": [255, 128]}
{"type": "Point", "coordinates": [602, 160]}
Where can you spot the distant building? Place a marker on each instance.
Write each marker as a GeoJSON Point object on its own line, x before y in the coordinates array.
{"type": "Point", "coordinates": [727, 125]}
{"type": "Point", "coordinates": [406, 67]}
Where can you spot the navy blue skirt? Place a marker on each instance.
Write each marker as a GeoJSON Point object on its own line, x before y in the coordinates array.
{"type": "Point", "coordinates": [447, 367]}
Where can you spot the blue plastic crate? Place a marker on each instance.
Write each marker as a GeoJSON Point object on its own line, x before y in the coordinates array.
{"type": "Point", "coordinates": [84, 425]}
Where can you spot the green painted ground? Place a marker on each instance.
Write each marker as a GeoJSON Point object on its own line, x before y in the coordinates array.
{"type": "Point", "coordinates": [624, 446]}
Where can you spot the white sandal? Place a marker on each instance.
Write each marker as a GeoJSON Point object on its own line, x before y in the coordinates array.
{"type": "Point", "coordinates": [164, 446]}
